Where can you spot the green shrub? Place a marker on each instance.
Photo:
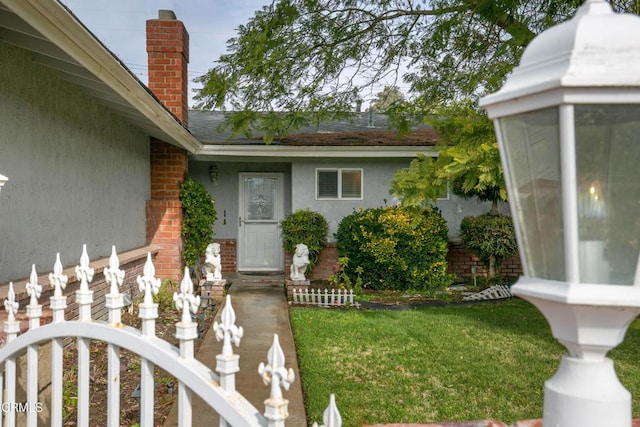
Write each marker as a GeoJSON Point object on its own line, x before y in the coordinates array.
{"type": "Point", "coordinates": [491, 237]}
{"type": "Point", "coordinates": [164, 297]}
{"type": "Point", "coordinates": [199, 215]}
{"type": "Point", "coordinates": [308, 227]}
{"type": "Point", "coordinates": [402, 248]}
{"type": "Point", "coordinates": [341, 279]}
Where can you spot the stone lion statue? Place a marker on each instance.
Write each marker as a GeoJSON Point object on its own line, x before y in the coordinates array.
{"type": "Point", "coordinates": [212, 262]}
{"type": "Point", "coordinates": [300, 262]}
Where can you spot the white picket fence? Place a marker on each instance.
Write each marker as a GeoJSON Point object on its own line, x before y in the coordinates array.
{"type": "Point", "coordinates": [326, 298]}
{"type": "Point", "coordinates": [216, 388]}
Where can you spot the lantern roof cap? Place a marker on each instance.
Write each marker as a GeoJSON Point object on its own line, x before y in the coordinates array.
{"type": "Point", "coordinates": [595, 48]}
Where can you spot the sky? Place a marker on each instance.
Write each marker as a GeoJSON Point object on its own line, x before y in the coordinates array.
{"type": "Point", "coordinates": [120, 26]}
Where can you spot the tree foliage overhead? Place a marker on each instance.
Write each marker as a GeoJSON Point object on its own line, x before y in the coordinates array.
{"type": "Point", "coordinates": [302, 60]}
{"type": "Point", "coordinates": [468, 160]}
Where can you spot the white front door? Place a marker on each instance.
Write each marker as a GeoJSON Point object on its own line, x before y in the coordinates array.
{"type": "Point", "coordinates": [261, 209]}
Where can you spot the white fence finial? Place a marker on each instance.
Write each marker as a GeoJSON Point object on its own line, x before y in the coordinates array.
{"type": "Point", "coordinates": [34, 289]}
{"type": "Point", "coordinates": [185, 300]}
{"type": "Point", "coordinates": [275, 372]}
{"type": "Point", "coordinates": [10, 304]}
{"type": "Point", "coordinates": [148, 283]}
{"type": "Point", "coordinates": [331, 416]}
{"type": "Point", "coordinates": [227, 330]}
{"type": "Point", "coordinates": [57, 279]}
{"type": "Point", "coordinates": [113, 274]}
{"type": "Point", "coordinates": [83, 271]}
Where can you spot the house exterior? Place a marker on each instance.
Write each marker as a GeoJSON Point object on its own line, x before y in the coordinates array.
{"type": "Point", "coordinates": [334, 169]}
{"type": "Point", "coordinates": [94, 156]}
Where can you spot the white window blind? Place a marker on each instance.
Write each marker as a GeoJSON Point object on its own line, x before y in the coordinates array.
{"type": "Point", "coordinates": [339, 183]}
{"type": "Point", "coordinates": [351, 184]}
{"type": "Point", "coordinates": [327, 184]}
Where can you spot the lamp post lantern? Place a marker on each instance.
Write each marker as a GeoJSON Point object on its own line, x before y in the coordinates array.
{"type": "Point", "coordinates": [568, 127]}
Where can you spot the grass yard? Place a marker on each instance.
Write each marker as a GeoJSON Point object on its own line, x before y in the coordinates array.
{"type": "Point", "coordinates": [486, 361]}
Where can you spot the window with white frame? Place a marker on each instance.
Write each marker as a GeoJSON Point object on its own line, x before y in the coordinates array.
{"type": "Point", "coordinates": [339, 183]}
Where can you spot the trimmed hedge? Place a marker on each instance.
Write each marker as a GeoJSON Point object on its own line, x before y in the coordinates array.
{"type": "Point", "coordinates": [491, 237]}
{"type": "Point", "coordinates": [308, 227]}
{"type": "Point", "coordinates": [197, 223]}
{"type": "Point", "coordinates": [401, 248]}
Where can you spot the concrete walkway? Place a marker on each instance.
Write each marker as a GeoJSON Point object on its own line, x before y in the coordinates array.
{"type": "Point", "coordinates": [261, 309]}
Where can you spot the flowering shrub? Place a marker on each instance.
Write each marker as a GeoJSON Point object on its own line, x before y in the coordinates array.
{"type": "Point", "coordinates": [396, 247]}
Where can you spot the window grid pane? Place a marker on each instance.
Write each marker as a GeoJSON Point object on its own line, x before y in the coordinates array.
{"type": "Point", "coordinates": [351, 184]}
{"type": "Point", "coordinates": [327, 184]}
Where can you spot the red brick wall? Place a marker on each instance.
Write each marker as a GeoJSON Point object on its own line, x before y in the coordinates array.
{"type": "Point", "coordinates": [168, 56]}
{"type": "Point", "coordinates": [100, 288]}
{"type": "Point", "coordinates": [168, 170]}
{"type": "Point", "coordinates": [461, 260]}
{"type": "Point", "coordinates": [327, 260]}
{"type": "Point", "coordinates": [227, 254]}
{"type": "Point", "coordinates": [164, 210]}
{"type": "Point", "coordinates": [324, 268]}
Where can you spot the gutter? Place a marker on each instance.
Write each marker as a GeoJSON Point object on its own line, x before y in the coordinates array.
{"type": "Point", "coordinates": [312, 151]}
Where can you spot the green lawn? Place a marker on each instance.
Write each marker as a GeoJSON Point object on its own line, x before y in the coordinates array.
{"type": "Point", "coordinates": [485, 361]}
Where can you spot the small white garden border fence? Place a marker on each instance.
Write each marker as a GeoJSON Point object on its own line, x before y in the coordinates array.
{"type": "Point", "coordinates": [217, 389]}
{"type": "Point", "coordinates": [339, 297]}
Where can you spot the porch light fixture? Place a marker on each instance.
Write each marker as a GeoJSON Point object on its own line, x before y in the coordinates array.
{"type": "Point", "coordinates": [3, 181]}
{"type": "Point", "coordinates": [568, 127]}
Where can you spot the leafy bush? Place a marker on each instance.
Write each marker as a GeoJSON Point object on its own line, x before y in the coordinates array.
{"type": "Point", "coordinates": [199, 215]}
{"type": "Point", "coordinates": [491, 237]}
{"type": "Point", "coordinates": [164, 297]}
{"type": "Point", "coordinates": [308, 227]}
{"type": "Point", "coordinates": [398, 248]}
{"type": "Point", "coordinates": [342, 280]}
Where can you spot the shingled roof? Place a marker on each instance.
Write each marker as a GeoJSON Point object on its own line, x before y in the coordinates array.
{"type": "Point", "coordinates": [363, 130]}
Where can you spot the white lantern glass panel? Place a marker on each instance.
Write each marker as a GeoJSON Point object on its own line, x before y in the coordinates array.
{"type": "Point", "coordinates": [608, 184]}
{"type": "Point", "coordinates": [532, 146]}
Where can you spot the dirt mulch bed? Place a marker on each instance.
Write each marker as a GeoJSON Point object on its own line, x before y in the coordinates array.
{"type": "Point", "coordinates": [166, 386]}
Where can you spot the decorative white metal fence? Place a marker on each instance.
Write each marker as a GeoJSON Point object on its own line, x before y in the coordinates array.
{"type": "Point", "coordinates": [326, 298]}
{"type": "Point", "coordinates": [217, 389]}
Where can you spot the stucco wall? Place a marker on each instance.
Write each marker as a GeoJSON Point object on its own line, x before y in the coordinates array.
{"type": "Point", "coordinates": [227, 191]}
{"type": "Point", "coordinates": [78, 173]}
{"type": "Point", "coordinates": [300, 191]}
{"type": "Point", "coordinates": [377, 174]}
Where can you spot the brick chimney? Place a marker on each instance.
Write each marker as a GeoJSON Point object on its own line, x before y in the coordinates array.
{"type": "Point", "coordinates": [168, 53]}
{"type": "Point", "coordinates": [168, 56]}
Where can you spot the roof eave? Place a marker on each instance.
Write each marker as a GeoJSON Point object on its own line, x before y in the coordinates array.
{"type": "Point", "coordinates": [54, 22]}
{"type": "Point", "coordinates": [277, 151]}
